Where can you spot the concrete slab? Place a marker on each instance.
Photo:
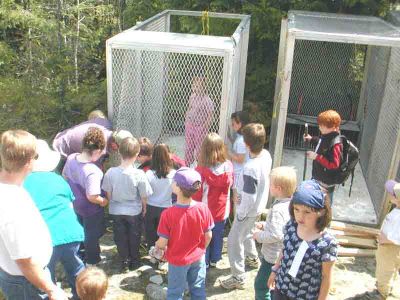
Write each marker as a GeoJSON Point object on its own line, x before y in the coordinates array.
{"type": "Point", "coordinates": [357, 208]}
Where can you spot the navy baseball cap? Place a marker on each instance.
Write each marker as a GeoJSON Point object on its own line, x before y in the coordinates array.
{"type": "Point", "coordinates": [309, 193]}
{"type": "Point", "coordinates": [186, 178]}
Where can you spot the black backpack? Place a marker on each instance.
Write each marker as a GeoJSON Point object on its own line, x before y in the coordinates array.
{"type": "Point", "coordinates": [348, 161]}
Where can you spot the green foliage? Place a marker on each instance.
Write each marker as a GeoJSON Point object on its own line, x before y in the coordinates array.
{"type": "Point", "coordinates": [52, 53]}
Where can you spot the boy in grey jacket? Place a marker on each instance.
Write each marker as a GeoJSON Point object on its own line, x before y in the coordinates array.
{"type": "Point", "coordinates": [270, 233]}
{"type": "Point", "coordinates": [253, 187]}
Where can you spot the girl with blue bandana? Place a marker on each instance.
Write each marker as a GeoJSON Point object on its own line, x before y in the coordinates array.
{"type": "Point", "coordinates": [304, 268]}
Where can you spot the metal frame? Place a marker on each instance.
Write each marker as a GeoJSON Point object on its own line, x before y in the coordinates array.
{"type": "Point", "coordinates": [233, 49]}
{"type": "Point", "coordinates": [290, 32]}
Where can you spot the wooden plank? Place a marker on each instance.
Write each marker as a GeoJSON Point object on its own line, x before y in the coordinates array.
{"type": "Point", "coordinates": [373, 232]}
{"type": "Point", "coordinates": [339, 233]}
{"type": "Point", "coordinates": [343, 251]}
{"type": "Point", "coordinates": [356, 242]}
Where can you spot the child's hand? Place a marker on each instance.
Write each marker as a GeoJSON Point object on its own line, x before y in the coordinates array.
{"type": "Point", "coordinates": [104, 202]}
{"type": "Point", "coordinates": [260, 225]}
{"type": "Point", "coordinates": [311, 155]}
{"type": "Point", "coordinates": [307, 138]}
{"type": "Point", "coordinates": [235, 198]}
{"type": "Point", "coordinates": [271, 281]}
{"type": "Point", "coordinates": [255, 235]}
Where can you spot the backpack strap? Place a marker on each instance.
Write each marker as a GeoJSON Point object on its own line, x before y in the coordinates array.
{"type": "Point", "coordinates": [337, 140]}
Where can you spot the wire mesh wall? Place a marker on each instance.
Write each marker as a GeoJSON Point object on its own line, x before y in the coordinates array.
{"type": "Point", "coordinates": [382, 120]}
{"type": "Point", "coordinates": [166, 85]}
{"type": "Point", "coordinates": [326, 75]}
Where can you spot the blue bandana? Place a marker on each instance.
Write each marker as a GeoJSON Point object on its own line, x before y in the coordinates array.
{"type": "Point", "coordinates": [309, 193]}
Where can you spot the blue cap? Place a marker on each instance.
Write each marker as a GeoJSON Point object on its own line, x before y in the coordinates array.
{"type": "Point", "coordinates": [309, 193]}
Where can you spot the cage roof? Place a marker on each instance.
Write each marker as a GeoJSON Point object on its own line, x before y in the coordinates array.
{"type": "Point", "coordinates": [342, 28]}
{"type": "Point", "coordinates": [139, 37]}
{"type": "Point", "coordinates": [168, 41]}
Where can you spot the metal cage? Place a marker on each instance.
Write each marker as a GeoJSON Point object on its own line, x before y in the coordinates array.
{"type": "Point", "coordinates": [350, 64]}
{"type": "Point", "coordinates": [151, 70]}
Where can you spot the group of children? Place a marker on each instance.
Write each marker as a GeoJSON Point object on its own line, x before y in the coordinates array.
{"type": "Point", "coordinates": [183, 212]}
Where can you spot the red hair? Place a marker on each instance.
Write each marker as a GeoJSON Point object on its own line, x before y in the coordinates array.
{"type": "Point", "coordinates": [329, 118]}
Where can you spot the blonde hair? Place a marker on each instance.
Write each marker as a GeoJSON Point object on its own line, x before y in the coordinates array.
{"type": "Point", "coordinates": [129, 148]}
{"type": "Point", "coordinates": [17, 148]}
{"type": "Point", "coordinates": [96, 114]}
{"type": "Point", "coordinates": [286, 178]}
{"type": "Point", "coordinates": [92, 284]}
{"type": "Point", "coordinates": [212, 150]}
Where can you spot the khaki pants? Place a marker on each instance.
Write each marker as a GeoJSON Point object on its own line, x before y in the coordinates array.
{"type": "Point", "coordinates": [387, 266]}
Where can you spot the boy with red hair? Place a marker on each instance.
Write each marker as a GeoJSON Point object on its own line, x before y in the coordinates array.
{"type": "Point", "coordinates": [327, 155]}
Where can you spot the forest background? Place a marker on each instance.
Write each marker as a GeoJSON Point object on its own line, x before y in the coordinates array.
{"type": "Point", "coordinates": [52, 52]}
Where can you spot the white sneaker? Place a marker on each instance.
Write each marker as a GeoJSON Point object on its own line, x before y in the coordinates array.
{"type": "Point", "coordinates": [232, 283]}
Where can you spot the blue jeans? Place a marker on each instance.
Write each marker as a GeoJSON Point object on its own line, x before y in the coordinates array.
{"type": "Point", "coordinates": [214, 249]}
{"type": "Point", "coordinates": [194, 274]}
{"type": "Point", "coordinates": [94, 227]}
{"type": "Point", "coordinates": [67, 254]}
{"type": "Point", "coordinates": [19, 288]}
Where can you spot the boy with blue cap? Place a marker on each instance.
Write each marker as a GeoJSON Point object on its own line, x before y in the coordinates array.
{"type": "Point", "coordinates": [185, 232]}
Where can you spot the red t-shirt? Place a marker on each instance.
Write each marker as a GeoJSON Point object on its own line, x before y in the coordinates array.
{"type": "Point", "coordinates": [184, 226]}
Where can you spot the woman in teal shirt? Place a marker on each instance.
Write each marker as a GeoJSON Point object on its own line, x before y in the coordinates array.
{"type": "Point", "coordinates": [53, 197]}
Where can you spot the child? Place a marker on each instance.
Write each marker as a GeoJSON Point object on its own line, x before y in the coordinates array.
{"type": "Point", "coordinates": [253, 189]}
{"type": "Point", "coordinates": [197, 119]}
{"type": "Point", "coordinates": [127, 190]}
{"type": "Point", "coordinates": [326, 158]}
{"type": "Point", "coordinates": [185, 232]}
{"type": "Point", "coordinates": [217, 177]}
{"type": "Point", "coordinates": [283, 185]}
{"type": "Point", "coordinates": [25, 242]}
{"type": "Point", "coordinates": [145, 154]}
{"type": "Point", "coordinates": [239, 153]}
{"type": "Point", "coordinates": [84, 178]}
{"type": "Point", "coordinates": [96, 114]}
{"type": "Point", "coordinates": [160, 178]}
{"type": "Point", "coordinates": [388, 253]}
{"type": "Point", "coordinates": [92, 284]}
{"type": "Point", "coordinates": [53, 197]}
{"type": "Point", "coordinates": [304, 267]}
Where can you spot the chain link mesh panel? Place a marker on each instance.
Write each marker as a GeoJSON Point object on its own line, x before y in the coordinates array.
{"type": "Point", "coordinates": [151, 92]}
{"type": "Point", "coordinates": [325, 76]}
{"type": "Point", "coordinates": [156, 25]}
{"type": "Point", "coordinates": [382, 118]}
{"type": "Point", "coordinates": [374, 92]}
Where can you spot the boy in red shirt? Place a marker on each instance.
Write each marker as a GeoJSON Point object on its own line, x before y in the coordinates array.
{"type": "Point", "coordinates": [185, 232]}
{"type": "Point", "coordinates": [326, 158]}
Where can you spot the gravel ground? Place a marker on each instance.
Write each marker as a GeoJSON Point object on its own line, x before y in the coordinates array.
{"type": "Point", "coordinates": [352, 277]}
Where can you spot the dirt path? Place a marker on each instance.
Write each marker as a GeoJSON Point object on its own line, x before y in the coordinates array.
{"type": "Point", "coordinates": [352, 276]}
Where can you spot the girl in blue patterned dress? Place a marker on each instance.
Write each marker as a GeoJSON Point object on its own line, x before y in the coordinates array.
{"type": "Point", "coordinates": [304, 268]}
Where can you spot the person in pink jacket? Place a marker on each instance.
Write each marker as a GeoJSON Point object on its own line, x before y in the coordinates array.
{"type": "Point", "coordinates": [198, 119]}
{"type": "Point", "coordinates": [217, 178]}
